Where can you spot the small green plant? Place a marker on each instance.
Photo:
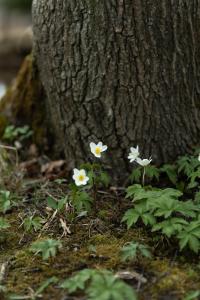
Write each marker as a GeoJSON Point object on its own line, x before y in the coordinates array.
{"type": "Point", "coordinates": [12, 133]}
{"type": "Point", "coordinates": [5, 202]}
{"type": "Point", "coordinates": [132, 249]}
{"type": "Point", "coordinates": [33, 223]}
{"type": "Point", "coordinates": [164, 211]}
{"type": "Point", "coordinates": [80, 199]}
{"type": "Point", "coordinates": [48, 248]}
{"type": "Point", "coordinates": [99, 285]}
{"type": "Point", "coordinates": [151, 172]}
{"type": "Point", "coordinates": [193, 295]}
{"type": "Point", "coordinates": [58, 205]}
{"type": "Point", "coordinates": [4, 224]}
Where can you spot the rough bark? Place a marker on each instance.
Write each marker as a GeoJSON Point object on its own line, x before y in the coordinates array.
{"type": "Point", "coordinates": [121, 71]}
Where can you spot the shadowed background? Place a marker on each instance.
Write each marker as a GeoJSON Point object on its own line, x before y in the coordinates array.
{"type": "Point", "coordinates": [15, 37]}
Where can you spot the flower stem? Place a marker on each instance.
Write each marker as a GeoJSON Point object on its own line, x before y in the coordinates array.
{"type": "Point", "coordinates": [94, 186]}
{"type": "Point", "coordinates": [143, 177]}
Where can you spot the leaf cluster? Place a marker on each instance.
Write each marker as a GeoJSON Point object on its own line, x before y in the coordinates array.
{"type": "Point", "coordinates": [48, 248]}
{"type": "Point", "coordinates": [163, 210]}
{"type": "Point", "coordinates": [99, 285]}
{"type": "Point", "coordinates": [132, 249]}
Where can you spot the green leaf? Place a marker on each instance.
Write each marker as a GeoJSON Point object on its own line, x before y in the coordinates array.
{"type": "Point", "coordinates": [47, 247]}
{"type": "Point", "coordinates": [131, 190]}
{"type": "Point", "coordinates": [136, 174]}
{"type": "Point", "coordinates": [148, 219]}
{"type": "Point", "coordinates": [99, 285]}
{"type": "Point", "coordinates": [45, 284]}
{"type": "Point", "coordinates": [130, 217]}
{"type": "Point", "coordinates": [82, 201]}
{"type": "Point", "coordinates": [152, 172]}
{"type": "Point", "coordinates": [4, 224]}
{"type": "Point", "coordinates": [33, 223]}
{"type": "Point", "coordinates": [193, 295]}
{"type": "Point", "coordinates": [105, 179]}
{"type": "Point", "coordinates": [5, 203]}
{"type": "Point", "coordinates": [130, 251]}
{"type": "Point", "coordinates": [52, 203]}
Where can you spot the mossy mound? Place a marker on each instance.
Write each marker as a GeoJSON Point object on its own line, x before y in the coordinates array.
{"type": "Point", "coordinates": [93, 243]}
{"type": "Point", "coordinates": [24, 104]}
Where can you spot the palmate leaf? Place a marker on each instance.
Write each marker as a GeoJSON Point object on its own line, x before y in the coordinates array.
{"type": "Point", "coordinates": [190, 236]}
{"type": "Point", "coordinates": [82, 201]}
{"type": "Point", "coordinates": [187, 164]}
{"type": "Point", "coordinates": [130, 217]}
{"type": "Point", "coordinates": [108, 287]}
{"type": "Point", "coordinates": [164, 208]}
{"type": "Point", "coordinates": [33, 223]}
{"type": "Point", "coordinates": [99, 285]}
{"type": "Point", "coordinates": [152, 172]}
{"type": "Point", "coordinates": [78, 281]}
{"type": "Point", "coordinates": [148, 219]}
{"type": "Point", "coordinates": [170, 227]}
{"type": "Point", "coordinates": [193, 176]}
{"type": "Point", "coordinates": [132, 189]}
{"type": "Point", "coordinates": [186, 239]}
{"type": "Point", "coordinates": [139, 211]}
{"type": "Point", "coordinates": [136, 174]}
{"type": "Point", "coordinates": [130, 251]}
{"type": "Point", "coordinates": [48, 248]}
{"type": "Point", "coordinates": [188, 208]}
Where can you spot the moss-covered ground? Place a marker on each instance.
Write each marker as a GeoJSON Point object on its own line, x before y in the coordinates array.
{"type": "Point", "coordinates": [94, 242]}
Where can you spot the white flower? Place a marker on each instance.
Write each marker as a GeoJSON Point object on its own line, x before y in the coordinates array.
{"type": "Point", "coordinates": [199, 157]}
{"type": "Point", "coordinates": [80, 177]}
{"type": "Point", "coordinates": [96, 149]}
{"type": "Point", "coordinates": [143, 162]}
{"type": "Point", "coordinates": [133, 154]}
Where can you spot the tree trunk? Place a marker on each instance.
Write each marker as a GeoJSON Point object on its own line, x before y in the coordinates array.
{"type": "Point", "coordinates": [125, 72]}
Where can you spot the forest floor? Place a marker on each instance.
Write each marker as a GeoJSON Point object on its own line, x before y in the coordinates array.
{"type": "Point", "coordinates": [89, 241]}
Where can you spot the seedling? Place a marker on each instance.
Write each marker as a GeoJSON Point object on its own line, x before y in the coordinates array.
{"type": "Point", "coordinates": [48, 248]}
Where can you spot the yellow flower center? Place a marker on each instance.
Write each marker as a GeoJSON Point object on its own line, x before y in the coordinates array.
{"type": "Point", "coordinates": [98, 150]}
{"type": "Point", "coordinates": [81, 177]}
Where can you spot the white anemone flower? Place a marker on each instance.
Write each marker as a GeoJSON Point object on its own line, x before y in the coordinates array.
{"type": "Point", "coordinates": [133, 154]}
{"type": "Point", "coordinates": [97, 149]}
{"type": "Point", "coordinates": [199, 157]}
{"type": "Point", "coordinates": [80, 177]}
{"type": "Point", "coordinates": [143, 162]}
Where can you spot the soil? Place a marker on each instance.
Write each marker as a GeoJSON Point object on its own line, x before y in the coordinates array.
{"type": "Point", "coordinates": [169, 274]}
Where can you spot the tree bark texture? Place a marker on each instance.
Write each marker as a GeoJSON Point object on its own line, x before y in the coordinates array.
{"type": "Point", "coordinates": [125, 72]}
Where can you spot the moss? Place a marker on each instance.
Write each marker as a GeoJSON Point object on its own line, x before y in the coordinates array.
{"type": "Point", "coordinates": [164, 275]}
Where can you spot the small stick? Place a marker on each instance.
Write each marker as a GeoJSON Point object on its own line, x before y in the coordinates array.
{"type": "Point", "coordinates": [14, 149]}
{"type": "Point", "coordinates": [3, 270]}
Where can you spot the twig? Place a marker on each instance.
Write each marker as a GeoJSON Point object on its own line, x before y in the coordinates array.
{"type": "Point", "coordinates": [3, 270]}
{"type": "Point", "coordinates": [14, 149]}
